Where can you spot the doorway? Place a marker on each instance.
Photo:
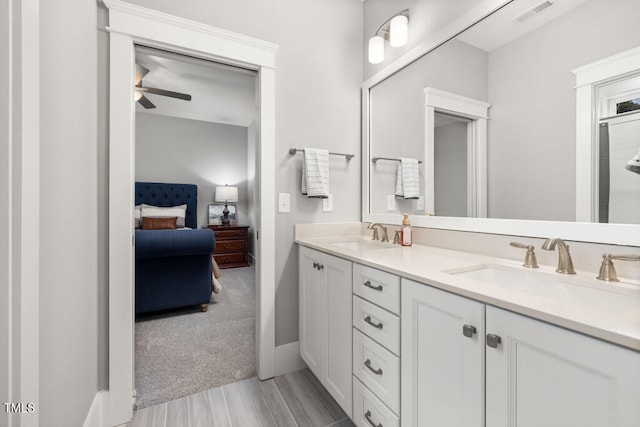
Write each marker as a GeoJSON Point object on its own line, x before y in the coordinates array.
{"type": "Point", "coordinates": [464, 115]}
{"type": "Point", "coordinates": [130, 25]}
{"type": "Point", "coordinates": [192, 126]}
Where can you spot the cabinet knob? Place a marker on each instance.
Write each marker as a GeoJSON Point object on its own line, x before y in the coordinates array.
{"type": "Point", "coordinates": [468, 331]}
{"type": "Point", "coordinates": [493, 340]}
{"type": "Point", "coordinates": [315, 265]}
{"type": "Point", "coordinates": [367, 416]}
{"type": "Point", "coordinates": [375, 288]}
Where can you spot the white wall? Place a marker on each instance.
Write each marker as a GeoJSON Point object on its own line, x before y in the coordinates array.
{"type": "Point", "coordinates": [69, 213]}
{"type": "Point", "coordinates": [171, 149]}
{"type": "Point", "coordinates": [533, 143]}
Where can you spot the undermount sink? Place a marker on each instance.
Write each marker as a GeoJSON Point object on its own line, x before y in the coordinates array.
{"type": "Point", "coordinates": [360, 244]}
{"type": "Point", "coordinates": [551, 285]}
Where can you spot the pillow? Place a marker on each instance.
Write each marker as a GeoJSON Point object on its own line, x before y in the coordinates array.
{"type": "Point", "coordinates": [137, 216]}
{"type": "Point", "coordinates": [149, 211]}
{"type": "Point", "coordinates": [159, 223]}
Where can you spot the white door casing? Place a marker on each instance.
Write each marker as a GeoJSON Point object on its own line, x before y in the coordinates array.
{"type": "Point", "coordinates": [588, 78]}
{"type": "Point", "coordinates": [130, 25]}
{"type": "Point", "coordinates": [478, 112]}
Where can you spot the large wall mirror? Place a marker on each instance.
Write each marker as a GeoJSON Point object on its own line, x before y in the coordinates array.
{"type": "Point", "coordinates": [493, 118]}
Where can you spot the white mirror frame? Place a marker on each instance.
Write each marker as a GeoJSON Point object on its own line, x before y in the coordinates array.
{"type": "Point", "coordinates": [619, 234]}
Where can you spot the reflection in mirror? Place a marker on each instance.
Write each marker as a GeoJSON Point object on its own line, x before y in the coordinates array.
{"type": "Point", "coordinates": [520, 63]}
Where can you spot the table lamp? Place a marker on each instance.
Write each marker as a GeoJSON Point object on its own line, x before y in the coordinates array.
{"type": "Point", "coordinates": [226, 194]}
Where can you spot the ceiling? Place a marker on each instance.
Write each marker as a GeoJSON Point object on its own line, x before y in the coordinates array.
{"type": "Point", "coordinates": [220, 93]}
{"type": "Point", "coordinates": [503, 26]}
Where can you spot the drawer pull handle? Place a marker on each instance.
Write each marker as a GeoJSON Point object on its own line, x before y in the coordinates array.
{"type": "Point", "coordinates": [493, 340]}
{"type": "Point", "coordinates": [367, 363]}
{"type": "Point", "coordinates": [468, 331]}
{"type": "Point", "coordinates": [367, 416]}
{"type": "Point", "coordinates": [375, 325]}
{"type": "Point", "coordinates": [375, 288]}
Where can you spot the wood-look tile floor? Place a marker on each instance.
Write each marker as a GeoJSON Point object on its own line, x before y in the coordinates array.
{"type": "Point", "coordinates": [295, 399]}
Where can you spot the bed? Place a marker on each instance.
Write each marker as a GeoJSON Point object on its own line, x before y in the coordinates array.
{"type": "Point", "coordinates": [173, 267]}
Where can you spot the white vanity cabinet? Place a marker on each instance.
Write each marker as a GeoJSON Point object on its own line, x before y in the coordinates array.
{"type": "Point", "coordinates": [376, 347]}
{"type": "Point", "coordinates": [535, 374]}
{"type": "Point", "coordinates": [442, 358]}
{"type": "Point", "coordinates": [325, 321]}
{"type": "Point", "coordinates": [543, 375]}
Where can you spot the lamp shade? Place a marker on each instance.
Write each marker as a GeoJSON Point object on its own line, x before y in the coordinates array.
{"type": "Point", "coordinates": [226, 194]}
{"type": "Point", "coordinates": [398, 31]}
{"type": "Point", "coordinates": [376, 49]}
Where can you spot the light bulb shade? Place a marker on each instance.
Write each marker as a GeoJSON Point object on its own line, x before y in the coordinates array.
{"type": "Point", "coordinates": [376, 49]}
{"type": "Point", "coordinates": [137, 95]}
{"type": "Point", "coordinates": [398, 31]}
{"type": "Point", "coordinates": [226, 194]}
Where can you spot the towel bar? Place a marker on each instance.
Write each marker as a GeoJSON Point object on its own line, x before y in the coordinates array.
{"type": "Point", "coordinates": [375, 159]}
{"type": "Point", "coordinates": [293, 151]}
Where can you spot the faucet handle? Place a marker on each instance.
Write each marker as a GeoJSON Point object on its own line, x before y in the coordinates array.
{"type": "Point", "coordinates": [396, 237]}
{"type": "Point", "coordinates": [530, 260]}
{"type": "Point", "coordinates": [608, 271]}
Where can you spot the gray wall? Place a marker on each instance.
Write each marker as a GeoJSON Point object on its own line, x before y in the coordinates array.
{"type": "Point", "coordinates": [397, 110]}
{"type": "Point", "coordinates": [450, 158]}
{"type": "Point", "coordinates": [68, 212]}
{"type": "Point", "coordinates": [5, 214]}
{"type": "Point", "coordinates": [531, 88]}
{"type": "Point", "coordinates": [318, 79]}
{"type": "Point", "coordinates": [428, 17]}
{"type": "Point", "coordinates": [170, 149]}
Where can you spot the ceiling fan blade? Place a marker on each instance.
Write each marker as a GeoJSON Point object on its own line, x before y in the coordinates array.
{"type": "Point", "coordinates": [144, 101]}
{"type": "Point", "coordinates": [163, 92]}
{"type": "Point", "coordinates": [140, 73]}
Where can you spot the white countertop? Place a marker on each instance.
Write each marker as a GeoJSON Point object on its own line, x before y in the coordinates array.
{"type": "Point", "coordinates": [603, 310]}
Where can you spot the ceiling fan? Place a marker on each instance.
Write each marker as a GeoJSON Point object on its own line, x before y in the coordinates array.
{"type": "Point", "coordinates": [141, 90]}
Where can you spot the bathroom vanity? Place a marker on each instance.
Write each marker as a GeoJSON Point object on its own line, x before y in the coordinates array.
{"type": "Point", "coordinates": [419, 335]}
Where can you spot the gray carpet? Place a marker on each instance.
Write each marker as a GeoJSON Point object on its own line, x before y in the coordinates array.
{"type": "Point", "coordinates": [182, 352]}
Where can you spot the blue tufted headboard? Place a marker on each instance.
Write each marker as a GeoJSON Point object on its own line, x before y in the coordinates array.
{"type": "Point", "coordinates": [166, 195]}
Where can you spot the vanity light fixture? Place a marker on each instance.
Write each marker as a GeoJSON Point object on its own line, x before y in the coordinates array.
{"type": "Point", "coordinates": [394, 29]}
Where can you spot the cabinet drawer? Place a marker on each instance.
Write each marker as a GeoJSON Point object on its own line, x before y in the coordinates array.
{"type": "Point", "coordinates": [223, 246]}
{"type": "Point", "coordinates": [378, 369]}
{"type": "Point", "coordinates": [224, 259]}
{"type": "Point", "coordinates": [377, 286]}
{"type": "Point", "coordinates": [368, 410]}
{"type": "Point", "coordinates": [230, 234]}
{"type": "Point", "coordinates": [379, 324]}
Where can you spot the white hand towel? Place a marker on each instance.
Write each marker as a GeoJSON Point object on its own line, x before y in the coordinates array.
{"type": "Point", "coordinates": [315, 173]}
{"type": "Point", "coordinates": [408, 179]}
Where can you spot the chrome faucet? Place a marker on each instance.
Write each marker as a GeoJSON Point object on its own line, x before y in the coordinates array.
{"type": "Point", "coordinates": [565, 264]}
{"type": "Point", "coordinates": [385, 236]}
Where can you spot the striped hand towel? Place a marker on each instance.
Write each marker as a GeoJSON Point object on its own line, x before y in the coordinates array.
{"type": "Point", "coordinates": [315, 173]}
{"type": "Point", "coordinates": [408, 179]}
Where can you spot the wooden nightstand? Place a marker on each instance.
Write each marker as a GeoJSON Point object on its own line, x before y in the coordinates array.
{"type": "Point", "coordinates": [231, 245]}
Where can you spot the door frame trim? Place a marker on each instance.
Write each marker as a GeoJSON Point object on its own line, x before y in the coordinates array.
{"type": "Point", "coordinates": [130, 25]}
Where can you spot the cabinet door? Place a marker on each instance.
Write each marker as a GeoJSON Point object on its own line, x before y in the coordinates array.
{"type": "Point", "coordinates": [543, 375]}
{"type": "Point", "coordinates": [442, 368]}
{"type": "Point", "coordinates": [312, 294]}
{"type": "Point", "coordinates": [338, 296]}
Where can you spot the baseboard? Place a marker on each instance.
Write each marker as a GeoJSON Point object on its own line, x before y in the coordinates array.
{"type": "Point", "coordinates": [288, 358]}
{"type": "Point", "coordinates": [95, 417]}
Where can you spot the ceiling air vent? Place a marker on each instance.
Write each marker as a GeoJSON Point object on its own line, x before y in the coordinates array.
{"type": "Point", "coordinates": [532, 12]}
